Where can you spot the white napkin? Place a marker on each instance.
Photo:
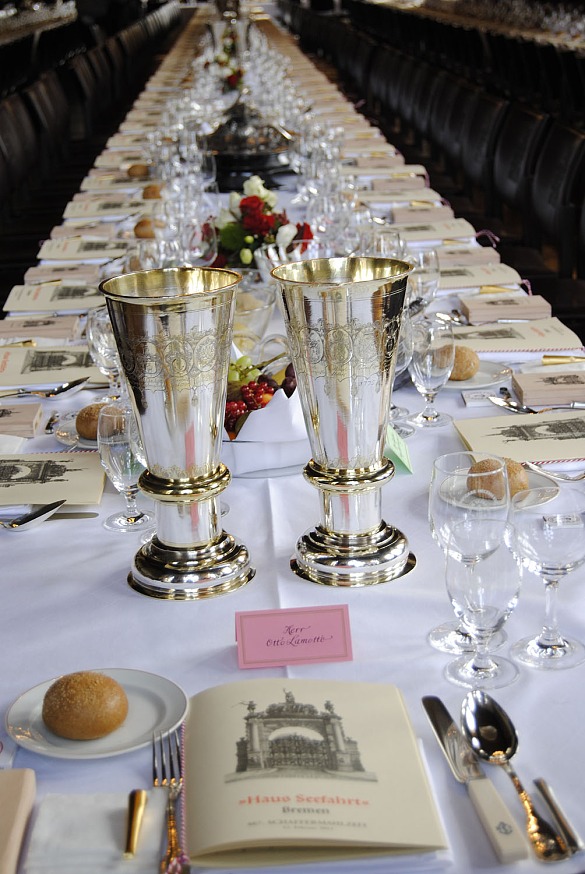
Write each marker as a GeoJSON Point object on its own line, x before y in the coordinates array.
{"type": "Point", "coordinates": [87, 833]}
{"type": "Point", "coordinates": [10, 443]}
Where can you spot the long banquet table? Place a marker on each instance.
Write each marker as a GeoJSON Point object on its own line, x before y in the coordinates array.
{"type": "Point", "coordinates": [66, 606]}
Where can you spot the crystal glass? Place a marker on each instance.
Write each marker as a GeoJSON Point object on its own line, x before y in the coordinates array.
{"type": "Point", "coordinates": [423, 281]}
{"type": "Point", "coordinates": [483, 583]}
{"type": "Point", "coordinates": [198, 241]}
{"type": "Point", "coordinates": [458, 495]}
{"type": "Point", "coordinates": [103, 349]}
{"type": "Point", "coordinates": [123, 461]}
{"type": "Point", "coordinates": [550, 541]}
{"type": "Point", "coordinates": [384, 242]}
{"type": "Point", "coordinates": [433, 354]}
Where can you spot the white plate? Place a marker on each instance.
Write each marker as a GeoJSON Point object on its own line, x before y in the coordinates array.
{"type": "Point", "coordinates": [462, 498]}
{"type": "Point", "coordinates": [65, 433]}
{"type": "Point", "coordinates": [489, 373]}
{"type": "Point", "coordinates": [155, 704]}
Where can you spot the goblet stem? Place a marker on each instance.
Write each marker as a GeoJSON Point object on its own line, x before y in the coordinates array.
{"type": "Point", "coordinates": [132, 511]}
{"type": "Point", "coordinates": [482, 663]}
{"type": "Point", "coordinates": [429, 414]}
{"type": "Point", "coordinates": [550, 636]}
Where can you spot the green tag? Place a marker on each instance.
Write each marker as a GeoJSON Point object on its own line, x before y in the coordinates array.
{"type": "Point", "coordinates": [397, 450]}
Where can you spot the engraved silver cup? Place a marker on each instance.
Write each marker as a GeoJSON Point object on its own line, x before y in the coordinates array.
{"type": "Point", "coordinates": [342, 317]}
{"type": "Point", "coordinates": [173, 329]}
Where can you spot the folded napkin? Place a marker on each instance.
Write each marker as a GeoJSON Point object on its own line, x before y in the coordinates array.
{"type": "Point", "coordinates": [17, 796]}
{"type": "Point", "coordinates": [87, 834]}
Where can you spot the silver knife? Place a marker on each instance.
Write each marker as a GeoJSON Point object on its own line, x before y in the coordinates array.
{"type": "Point", "coordinates": [505, 836]}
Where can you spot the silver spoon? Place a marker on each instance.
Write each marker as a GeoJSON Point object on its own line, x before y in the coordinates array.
{"type": "Point", "coordinates": [35, 517]}
{"type": "Point", "coordinates": [46, 393]}
{"type": "Point", "coordinates": [491, 734]}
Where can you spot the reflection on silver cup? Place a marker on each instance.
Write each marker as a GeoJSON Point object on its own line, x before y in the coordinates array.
{"type": "Point", "coordinates": [173, 328]}
{"type": "Point", "coordinates": [342, 317]}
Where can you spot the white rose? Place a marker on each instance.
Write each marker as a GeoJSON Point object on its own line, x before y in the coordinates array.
{"type": "Point", "coordinates": [234, 204]}
{"type": "Point", "coordinates": [225, 217]}
{"type": "Point", "coordinates": [254, 187]}
{"type": "Point", "coordinates": [286, 235]}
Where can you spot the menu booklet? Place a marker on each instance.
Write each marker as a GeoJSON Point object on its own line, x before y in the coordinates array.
{"type": "Point", "coordinates": [477, 276]}
{"type": "Point", "coordinates": [76, 477]}
{"type": "Point", "coordinates": [550, 387]}
{"type": "Point", "coordinates": [45, 365]}
{"type": "Point", "coordinates": [21, 420]}
{"type": "Point", "coordinates": [553, 437]}
{"type": "Point", "coordinates": [542, 335]}
{"type": "Point", "coordinates": [491, 307]}
{"type": "Point", "coordinates": [53, 297]}
{"type": "Point", "coordinates": [59, 328]}
{"type": "Point", "coordinates": [283, 771]}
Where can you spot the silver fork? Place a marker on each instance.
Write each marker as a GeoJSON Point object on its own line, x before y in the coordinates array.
{"type": "Point", "coordinates": [554, 474]}
{"type": "Point", "coordinates": [167, 773]}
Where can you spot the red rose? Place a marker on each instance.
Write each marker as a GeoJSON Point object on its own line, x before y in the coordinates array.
{"type": "Point", "coordinates": [251, 204]}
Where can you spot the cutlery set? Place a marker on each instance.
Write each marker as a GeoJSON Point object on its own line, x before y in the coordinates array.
{"type": "Point", "coordinates": [488, 734]}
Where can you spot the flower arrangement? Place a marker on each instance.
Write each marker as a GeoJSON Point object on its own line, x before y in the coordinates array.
{"type": "Point", "coordinates": [250, 221]}
{"type": "Point", "coordinates": [226, 60]}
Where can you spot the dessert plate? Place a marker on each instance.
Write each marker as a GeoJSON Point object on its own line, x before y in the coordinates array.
{"type": "Point", "coordinates": [155, 704]}
{"type": "Point", "coordinates": [489, 373]}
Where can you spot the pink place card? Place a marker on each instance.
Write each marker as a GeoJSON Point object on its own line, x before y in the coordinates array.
{"type": "Point", "coordinates": [300, 636]}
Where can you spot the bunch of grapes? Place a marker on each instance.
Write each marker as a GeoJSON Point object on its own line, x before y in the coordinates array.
{"type": "Point", "coordinates": [249, 389]}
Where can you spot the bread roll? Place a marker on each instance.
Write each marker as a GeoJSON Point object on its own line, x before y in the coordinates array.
{"type": "Point", "coordinates": [138, 171]}
{"type": "Point", "coordinates": [517, 476]}
{"type": "Point", "coordinates": [84, 706]}
{"type": "Point", "coordinates": [144, 229]}
{"type": "Point", "coordinates": [485, 479]}
{"type": "Point", "coordinates": [466, 364]}
{"type": "Point", "coordinates": [151, 192]}
{"type": "Point", "coordinates": [86, 421]}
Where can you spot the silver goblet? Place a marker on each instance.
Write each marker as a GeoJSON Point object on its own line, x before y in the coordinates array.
{"type": "Point", "coordinates": [342, 317]}
{"type": "Point", "coordinates": [173, 328]}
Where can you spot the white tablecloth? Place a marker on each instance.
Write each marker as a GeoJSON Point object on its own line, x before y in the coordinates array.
{"type": "Point", "coordinates": [66, 606]}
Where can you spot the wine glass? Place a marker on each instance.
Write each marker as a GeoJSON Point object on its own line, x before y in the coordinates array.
{"type": "Point", "coordinates": [198, 241]}
{"type": "Point", "coordinates": [118, 441]}
{"type": "Point", "coordinates": [102, 348]}
{"type": "Point", "coordinates": [433, 354]}
{"type": "Point", "coordinates": [458, 494]}
{"type": "Point", "coordinates": [423, 279]}
{"type": "Point", "coordinates": [483, 583]}
{"type": "Point", "coordinates": [550, 541]}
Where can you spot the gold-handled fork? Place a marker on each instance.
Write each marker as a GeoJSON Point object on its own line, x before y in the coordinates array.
{"type": "Point", "coordinates": [167, 773]}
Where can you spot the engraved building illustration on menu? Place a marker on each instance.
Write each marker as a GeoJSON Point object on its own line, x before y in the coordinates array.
{"type": "Point", "coordinates": [293, 739]}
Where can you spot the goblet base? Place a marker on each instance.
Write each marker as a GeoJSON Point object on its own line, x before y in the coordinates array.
{"type": "Point", "coordinates": [449, 638]}
{"type": "Point", "coordinates": [332, 559]}
{"type": "Point", "coordinates": [189, 573]}
{"type": "Point", "coordinates": [127, 524]}
{"type": "Point", "coordinates": [397, 413]}
{"type": "Point", "coordinates": [531, 652]}
{"type": "Point", "coordinates": [462, 672]}
{"type": "Point", "coordinates": [438, 421]}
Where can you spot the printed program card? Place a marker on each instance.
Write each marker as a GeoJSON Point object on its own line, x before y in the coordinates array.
{"type": "Point", "coordinates": [300, 636]}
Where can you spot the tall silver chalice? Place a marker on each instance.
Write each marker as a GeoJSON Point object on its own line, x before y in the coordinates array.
{"type": "Point", "coordinates": [342, 318]}
{"type": "Point", "coordinates": [173, 329]}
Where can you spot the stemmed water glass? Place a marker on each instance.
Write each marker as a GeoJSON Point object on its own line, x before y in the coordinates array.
{"type": "Point", "coordinates": [198, 241]}
{"type": "Point", "coordinates": [433, 354]}
{"type": "Point", "coordinates": [483, 583]}
{"type": "Point", "coordinates": [121, 457]}
{"type": "Point", "coordinates": [423, 279]}
{"type": "Point", "coordinates": [102, 348]}
{"type": "Point", "coordinates": [550, 541]}
{"type": "Point", "coordinates": [459, 495]}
